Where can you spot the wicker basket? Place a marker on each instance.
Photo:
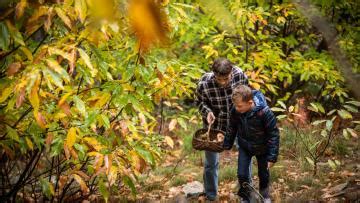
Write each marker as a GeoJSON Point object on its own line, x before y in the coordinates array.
{"type": "Point", "coordinates": [207, 144]}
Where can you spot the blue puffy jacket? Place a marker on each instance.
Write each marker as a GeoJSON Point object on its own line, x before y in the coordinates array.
{"type": "Point", "coordinates": [256, 130]}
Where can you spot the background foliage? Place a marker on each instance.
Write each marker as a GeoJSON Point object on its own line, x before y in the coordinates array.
{"type": "Point", "coordinates": [87, 87]}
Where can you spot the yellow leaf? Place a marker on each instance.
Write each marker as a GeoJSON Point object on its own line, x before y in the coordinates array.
{"type": "Point", "coordinates": [172, 124]}
{"type": "Point", "coordinates": [169, 141]}
{"type": "Point", "coordinates": [81, 9]}
{"type": "Point", "coordinates": [56, 51]}
{"type": "Point", "coordinates": [93, 143]}
{"type": "Point", "coordinates": [5, 93]}
{"type": "Point", "coordinates": [48, 21]}
{"type": "Point", "coordinates": [29, 143]}
{"type": "Point", "coordinates": [102, 100]}
{"type": "Point", "coordinates": [63, 98]}
{"type": "Point", "coordinates": [34, 97]}
{"type": "Point", "coordinates": [83, 175]}
{"type": "Point", "coordinates": [149, 22]}
{"type": "Point", "coordinates": [87, 61]}
{"type": "Point", "coordinates": [71, 137]}
{"type": "Point", "coordinates": [20, 7]}
{"type": "Point", "coordinates": [41, 11]}
{"type": "Point", "coordinates": [255, 85]}
{"type": "Point", "coordinates": [56, 67]}
{"type": "Point", "coordinates": [27, 53]}
{"type": "Point", "coordinates": [63, 17]}
{"type": "Point", "coordinates": [84, 188]}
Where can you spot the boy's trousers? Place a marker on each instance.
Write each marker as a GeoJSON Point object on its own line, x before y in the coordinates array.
{"type": "Point", "coordinates": [244, 161]}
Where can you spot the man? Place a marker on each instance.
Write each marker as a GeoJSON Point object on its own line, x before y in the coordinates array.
{"type": "Point", "coordinates": [213, 96]}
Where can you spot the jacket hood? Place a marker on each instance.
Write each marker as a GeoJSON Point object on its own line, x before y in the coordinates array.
{"type": "Point", "coordinates": [259, 100]}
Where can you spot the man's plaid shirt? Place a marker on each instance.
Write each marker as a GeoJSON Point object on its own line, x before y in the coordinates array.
{"type": "Point", "coordinates": [212, 97]}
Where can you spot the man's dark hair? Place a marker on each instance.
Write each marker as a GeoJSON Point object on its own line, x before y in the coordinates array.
{"type": "Point", "coordinates": [242, 92]}
{"type": "Point", "coordinates": [222, 67]}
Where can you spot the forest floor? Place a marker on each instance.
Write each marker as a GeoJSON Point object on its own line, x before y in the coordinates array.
{"type": "Point", "coordinates": [292, 178]}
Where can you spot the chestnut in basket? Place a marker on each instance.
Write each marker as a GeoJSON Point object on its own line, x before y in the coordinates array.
{"type": "Point", "coordinates": [220, 137]}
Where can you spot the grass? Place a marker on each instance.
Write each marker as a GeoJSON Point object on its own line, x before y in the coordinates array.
{"type": "Point", "coordinates": [228, 173]}
{"type": "Point", "coordinates": [340, 148]}
{"type": "Point", "coordinates": [178, 180]}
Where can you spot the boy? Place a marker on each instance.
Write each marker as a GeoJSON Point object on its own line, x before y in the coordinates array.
{"type": "Point", "coordinates": [254, 125]}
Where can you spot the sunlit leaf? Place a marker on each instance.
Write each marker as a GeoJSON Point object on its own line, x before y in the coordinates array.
{"type": "Point", "coordinates": [169, 141]}
{"type": "Point", "coordinates": [61, 13]}
{"type": "Point", "coordinates": [172, 124]}
{"type": "Point", "coordinates": [87, 61]}
{"type": "Point", "coordinates": [81, 182]}
{"type": "Point", "coordinates": [71, 137]}
{"type": "Point", "coordinates": [15, 34]}
{"type": "Point", "coordinates": [344, 114]}
{"type": "Point", "coordinates": [81, 9]}
{"type": "Point", "coordinates": [5, 93]}
{"type": "Point", "coordinates": [20, 8]}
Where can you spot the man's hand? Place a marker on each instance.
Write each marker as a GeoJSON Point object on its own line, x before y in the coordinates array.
{"type": "Point", "coordinates": [270, 164]}
{"type": "Point", "coordinates": [210, 117]}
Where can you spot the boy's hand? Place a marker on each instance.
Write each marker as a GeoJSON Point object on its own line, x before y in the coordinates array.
{"type": "Point", "coordinates": [210, 117]}
{"type": "Point", "coordinates": [270, 164]}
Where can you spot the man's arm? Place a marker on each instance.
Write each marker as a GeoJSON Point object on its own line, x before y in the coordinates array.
{"type": "Point", "coordinates": [202, 101]}
{"type": "Point", "coordinates": [272, 133]}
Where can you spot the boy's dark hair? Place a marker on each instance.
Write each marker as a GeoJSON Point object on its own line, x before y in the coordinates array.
{"type": "Point", "coordinates": [222, 67]}
{"type": "Point", "coordinates": [242, 92]}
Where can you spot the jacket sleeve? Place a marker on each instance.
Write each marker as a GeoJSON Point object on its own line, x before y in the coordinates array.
{"type": "Point", "coordinates": [202, 101]}
{"type": "Point", "coordinates": [273, 138]}
{"type": "Point", "coordinates": [230, 133]}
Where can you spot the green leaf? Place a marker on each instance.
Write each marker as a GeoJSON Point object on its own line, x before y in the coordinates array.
{"type": "Point", "coordinates": [15, 34]}
{"type": "Point", "coordinates": [329, 125]}
{"type": "Point", "coordinates": [320, 107]}
{"type": "Point", "coordinates": [313, 108]}
{"type": "Point", "coordinates": [80, 105]}
{"type": "Point", "coordinates": [355, 103]}
{"type": "Point", "coordinates": [47, 188]}
{"type": "Point", "coordinates": [103, 190]}
{"type": "Point", "coordinates": [12, 133]}
{"type": "Point", "coordinates": [346, 134]}
{"type": "Point", "coordinates": [277, 109]}
{"type": "Point", "coordinates": [146, 155]}
{"type": "Point", "coordinates": [53, 77]}
{"type": "Point", "coordinates": [350, 108]}
{"type": "Point", "coordinates": [282, 104]}
{"type": "Point", "coordinates": [130, 184]}
{"type": "Point", "coordinates": [318, 122]}
{"type": "Point", "coordinates": [344, 114]}
{"type": "Point", "coordinates": [280, 117]}
{"type": "Point", "coordinates": [331, 112]}
{"type": "Point", "coordinates": [182, 123]}
{"type": "Point", "coordinates": [5, 37]}
{"type": "Point", "coordinates": [85, 57]}
{"type": "Point", "coordinates": [105, 121]}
